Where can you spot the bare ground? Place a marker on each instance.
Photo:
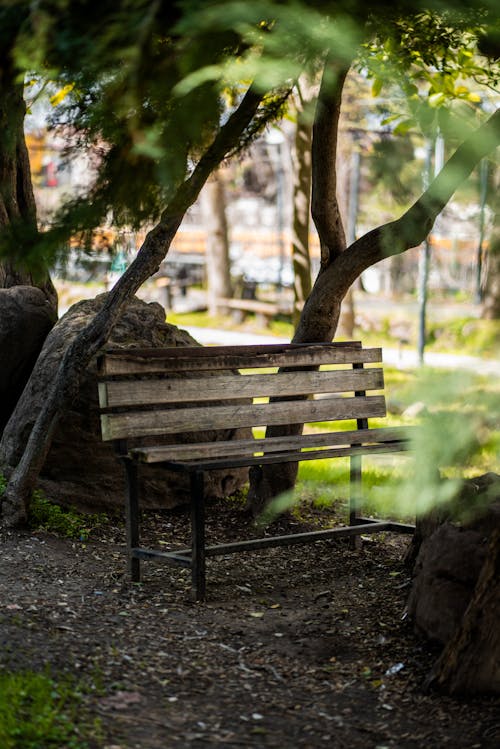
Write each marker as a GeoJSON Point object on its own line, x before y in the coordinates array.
{"type": "Point", "coordinates": [304, 646]}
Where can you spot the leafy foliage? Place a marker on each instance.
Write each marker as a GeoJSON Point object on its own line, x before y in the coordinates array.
{"type": "Point", "coordinates": [67, 523]}
{"type": "Point", "coordinates": [144, 85]}
{"type": "Point", "coordinates": [457, 437]}
{"type": "Point", "coordinates": [45, 515]}
{"type": "Point", "coordinates": [437, 61]}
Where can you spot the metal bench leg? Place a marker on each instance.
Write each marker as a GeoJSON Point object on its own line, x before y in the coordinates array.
{"type": "Point", "coordinates": [132, 517]}
{"type": "Point", "coordinates": [355, 496]}
{"type": "Point", "coordinates": [198, 536]}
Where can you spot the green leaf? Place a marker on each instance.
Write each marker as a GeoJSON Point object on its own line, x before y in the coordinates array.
{"type": "Point", "coordinates": [377, 86]}
{"type": "Point", "coordinates": [404, 126]}
{"type": "Point", "coordinates": [435, 100]}
{"type": "Point", "coordinates": [390, 119]}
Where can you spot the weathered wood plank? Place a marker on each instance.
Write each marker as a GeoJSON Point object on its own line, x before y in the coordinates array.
{"type": "Point", "coordinates": [269, 445]}
{"type": "Point", "coordinates": [186, 358]}
{"type": "Point", "coordinates": [175, 420]}
{"type": "Point", "coordinates": [211, 464]}
{"type": "Point", "coordinates": [193, 389]}
{"type": "Point", "coordinates": [221, 350]}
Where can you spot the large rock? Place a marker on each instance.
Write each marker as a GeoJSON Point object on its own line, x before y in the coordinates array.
{"type": "Point", "coordinates": [80, 469]}
{"type": "Point", "coordinates": [450, 559]}
{"type": "Point", "coordinates": [25, 320]}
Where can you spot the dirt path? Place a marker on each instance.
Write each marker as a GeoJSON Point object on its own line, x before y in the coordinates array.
{"type": "Point", "coordinates": [297, 647]}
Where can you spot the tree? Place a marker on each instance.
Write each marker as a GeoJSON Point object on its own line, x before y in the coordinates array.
{"type": "Point", "coordinates": [342, 265]}
{"type": "Point", "coordinates": [17, 202]}
{"type": "Point", "coordinates": [102, 94]}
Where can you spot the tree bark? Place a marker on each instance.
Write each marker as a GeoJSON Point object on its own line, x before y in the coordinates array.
{"type": "Point", "coordinates": [217, 258]}
{"type": "Point", "coordinates": [15, 501]}
{"type": "Point", "coordinates": [301, 160]}
{"type": "Point", "coordinates": [17, 202]}
{"type": "Point", "coordinates": [470, 662]}
{"type": "Point", "coordinates": [325, 208]}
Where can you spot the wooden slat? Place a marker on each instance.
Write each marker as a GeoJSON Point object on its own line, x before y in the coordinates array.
{"type": "Point", "coordinates": [135, 424]}
{"type": "Point", "coordinates": [186, 359]}
{"type": "Point", "coordinates": [193, 389]}
{"type": "Point", "coordinates": [221, 350]}
{"type": "Point", "coordinates": [269, 445]}
{"type": "Point", "coordinates": [211, 464]}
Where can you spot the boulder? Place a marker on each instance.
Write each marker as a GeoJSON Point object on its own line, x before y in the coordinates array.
{"type": "Point", "coordinates": [452, 550]}
{"type": "Point", "coordinates": [26, 318]}
{"type": "Point", "coordinates": [81, 470]}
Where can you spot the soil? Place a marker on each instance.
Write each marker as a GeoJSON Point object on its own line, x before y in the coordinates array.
{"type": "Point", "coordinates": [302, 646]}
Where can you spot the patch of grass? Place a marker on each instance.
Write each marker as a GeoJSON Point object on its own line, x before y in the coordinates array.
{"type": "Point", "coordinates": [47, 516]}
{"type": "Point", "coordinates": [467, 335]}
{"type": "Point", "coordinates": [68, 523]}
{"type": "Point", "coordinates": [36, 712]}
{"type": "Point", "coordinates": [326, 484]}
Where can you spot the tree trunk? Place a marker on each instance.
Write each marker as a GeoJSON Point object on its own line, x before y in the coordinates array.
{"type": "Point", "coordinates": [320, 314]}
{"type": "Point", "coordinates": [348, 160]}
{"type": "Point", "coordinates": [470, 663]}
{"type": "Point", "coordinates": [301, 160]}
{"type": "Point", "coordinates": [217, 257]}
{"type": "Point", "coordinates": [15, 501]}
{"type": "Point", "coordinates": [17, 201]}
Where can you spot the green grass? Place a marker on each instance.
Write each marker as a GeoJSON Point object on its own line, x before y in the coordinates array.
{"type": "Point", "coordinates": [326, 484]}
{"type": "Point", "coordinates": [47, 516]}
{"type": "Point", "coordinates": [37, 712]}
{"type": "Point", "coordinates": [64, 522]}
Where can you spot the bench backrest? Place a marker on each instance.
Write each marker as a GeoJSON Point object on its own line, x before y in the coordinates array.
{"type": "Point", "coordinates": [156, 392]}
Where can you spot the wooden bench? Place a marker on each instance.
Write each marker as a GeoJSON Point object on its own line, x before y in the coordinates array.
{"type": "Point", "coordinates": [156, 392]}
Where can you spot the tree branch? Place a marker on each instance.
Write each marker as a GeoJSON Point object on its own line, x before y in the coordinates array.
{"type": "Point", "coordinates": [413, 227]}
{"type": "Point", "coordinates": [324, 206]}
